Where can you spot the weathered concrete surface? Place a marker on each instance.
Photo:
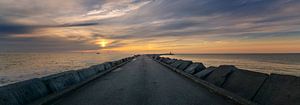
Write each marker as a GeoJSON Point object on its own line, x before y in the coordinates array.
{"type": "Point", "coordinates": [220, 74]}
{"type": "Point", "coordinates": [177, 63]}
{"type": "Point", "coordinates": [170, 61]}
{"type": "Point", "coordinates": [142, 82]}
{"type": "Point", "coordinates": [279, 90]}
{"type": "Point", "coordinates": [244, 83]}
{"type": "Point", "coordinates": [98, 68]}
{"type": "Point", "coordinates": [184, 65]}
{"type": "Point", "coordinates": [204, 73]}
{"type": "Point", "coordinates": [107, 65]}
{"type": "Point", "coordinates": [58, 82]}
{"type": "Point", "coordinates": [86, 73]}
{"type": "Point", "coordinates": [195, 68]}
{"type": "Point", "coordinates": [22, 93]}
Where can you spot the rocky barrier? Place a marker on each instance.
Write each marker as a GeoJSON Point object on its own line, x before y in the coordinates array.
{"type": "Point", "coordinates": [38, 91]}
{"type": "Point", "coordinates": [243, 86]}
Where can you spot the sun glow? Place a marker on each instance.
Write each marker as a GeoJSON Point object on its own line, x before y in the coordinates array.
{"type": "Point", "coordinates": [102, 43]}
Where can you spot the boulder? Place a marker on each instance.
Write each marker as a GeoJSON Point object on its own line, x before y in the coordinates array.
{"type": "Point", "coordinates": [184, 65]}
{"type": "Point", "coordinates": [245, 83]}
{"type": "Point", "coordinates": [194, 68]}
{"type": "Point", "coordinates": [61, 81]}
{"type": "Point", "coordinates": [220, 74]}
{"type": "Point", "coordinates": [279, 90]}
{"type": "Point", "coordinates": [22, 93]}
{"type": "Point", "coordinates": [204, 73]}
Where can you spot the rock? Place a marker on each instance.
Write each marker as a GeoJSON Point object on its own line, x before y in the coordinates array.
{"type": "Point", "coordinates": [245, 83]}
{"type": "Point", "coordinates": [220, 74]}
{"type": "Point", "coordinates": [23, 93]}
{"type": "Point", "coordinates": [195, 68]}
{"type": "Point", "coordinates": [204, 73]}
{"type": "Point", "coordinates": [279, 90]}
{"type": "Point", "coordinates": [184, 65]}
{"type": "Point", "coordinates": [61, 81]}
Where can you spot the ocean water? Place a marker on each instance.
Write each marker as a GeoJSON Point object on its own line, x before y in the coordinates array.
{"type": "Point", "coordinates": [16, 67]}
{"type": "Point", "coordinates": [267, 63]}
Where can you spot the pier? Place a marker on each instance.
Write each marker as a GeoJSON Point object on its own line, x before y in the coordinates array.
{"type": "Point", "coordinates": [154, 80]}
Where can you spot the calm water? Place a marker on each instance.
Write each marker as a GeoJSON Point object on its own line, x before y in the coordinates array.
{"type": "Point", "coordinates": [16, 66]}
{"type": "Point", "coordinates": [267, 63]}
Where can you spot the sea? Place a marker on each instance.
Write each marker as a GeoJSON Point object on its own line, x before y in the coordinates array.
{"type": "Point", "coordinates": [16, 67]}
{"type": "Point", "coordinates": [283, 63]}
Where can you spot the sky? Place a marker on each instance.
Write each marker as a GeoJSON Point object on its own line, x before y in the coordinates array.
{"type": "Point", "coordinates": [150, 26]}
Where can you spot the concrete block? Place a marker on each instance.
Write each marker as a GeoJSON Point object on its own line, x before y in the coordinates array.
{"type": "Point", "coordinates": [177, 63]}
{"type": "Point", "coordinates": [107, 65]}
{"type": "Point", "coordinates": [165, 60]}
{"type": "Point", "coordinates": [220, 74]}
{"type": "Point", "coordinates": [23, 93]}
{"type": "Point", "coordinates": [204, 73]}
{"type": "Point", "coordinates": [171, 61]}
{"type": "Point", "coordinates": [7, 97]}
{"type": "Point", "coordinates": [61, 81]}
{"type": "Point", "coordinates": [279, 90]}
{"type": "Point", "coordinates": [98, 68]}
{"type": "Point", "coordinates": [245, 83]}
{"type": "Point", "coordinates": [195, 68]}
{"type": "Point", "coordinates": [184, 65]}
{"type": "Point", "coordinates": [86, 73]}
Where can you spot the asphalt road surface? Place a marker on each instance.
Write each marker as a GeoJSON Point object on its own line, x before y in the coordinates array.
{"type": "Point", "coordinates": [142, 82]}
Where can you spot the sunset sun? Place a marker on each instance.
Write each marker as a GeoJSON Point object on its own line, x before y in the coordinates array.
{"type": "Point", "coordinates": [103, 43]}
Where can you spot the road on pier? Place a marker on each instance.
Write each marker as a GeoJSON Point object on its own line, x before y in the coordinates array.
{"type": "Point", "coordinates": [142, 82]}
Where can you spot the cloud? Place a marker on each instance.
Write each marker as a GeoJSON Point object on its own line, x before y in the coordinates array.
{"type": "Point", "coordinates": [43, 44]}
{"type": "Point", "coordinates": [121, 20]}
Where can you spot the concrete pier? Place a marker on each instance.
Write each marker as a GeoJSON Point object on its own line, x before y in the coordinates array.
{"type": "Point", "coordinates": [154, 80]}
{"type": "Point", "coordinates": [142, 82]}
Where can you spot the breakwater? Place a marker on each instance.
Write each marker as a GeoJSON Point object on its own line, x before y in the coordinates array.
{"type": "Point", "coordinates": [243, 86]}
{"type": "Point", "coordinates": [38, 91]}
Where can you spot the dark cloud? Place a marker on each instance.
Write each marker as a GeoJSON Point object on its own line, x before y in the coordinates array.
{"type": "Point", "coordinates": [43, 44]}
{"type": "Point", "coordinates": [77, 24]}
{"type": "Point", "coordinates": [7, 27]}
